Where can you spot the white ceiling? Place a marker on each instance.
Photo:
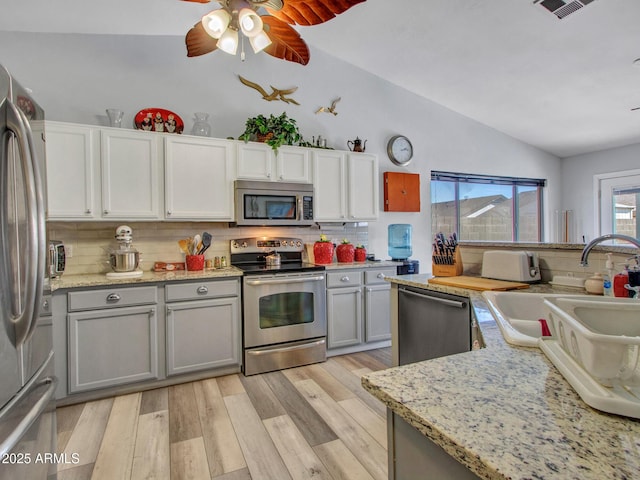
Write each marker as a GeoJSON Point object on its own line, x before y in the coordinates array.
{"type": "Point", "coordinates": [565, 86]}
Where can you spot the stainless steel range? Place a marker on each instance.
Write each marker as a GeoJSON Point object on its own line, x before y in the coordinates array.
{"type": "Point", "coordinates": [284, 304]}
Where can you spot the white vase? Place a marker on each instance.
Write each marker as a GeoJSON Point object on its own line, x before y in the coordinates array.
{"type": "Point", "coordinates": [201, 125]}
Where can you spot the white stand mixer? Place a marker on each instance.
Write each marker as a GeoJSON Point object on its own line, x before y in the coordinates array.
{"type": "Point", "coordinates": [125, 260]}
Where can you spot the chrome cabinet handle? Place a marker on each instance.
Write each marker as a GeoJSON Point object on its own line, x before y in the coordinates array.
{"type": "Point", "coordinates": [113, 297]}
{"type": "Point", "coordinates": [169, 212]}
{"type": "Point", "coordinates": [202, 290]}
{"type": "Point", "coordinates": [344, 279]}
{"type": "Point", "coordinates": [381, 275]}
{"type": "Point", "coordinates": [106, 212]}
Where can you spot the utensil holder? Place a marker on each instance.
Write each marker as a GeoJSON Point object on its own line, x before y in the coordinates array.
{"type": "Point", "coordinates": [454, 270]}
{"type": "Point", "coordinates": [194, 262]}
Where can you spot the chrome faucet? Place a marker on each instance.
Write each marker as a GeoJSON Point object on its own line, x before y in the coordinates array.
{"type": "Point", "coordinates": [603, 238]}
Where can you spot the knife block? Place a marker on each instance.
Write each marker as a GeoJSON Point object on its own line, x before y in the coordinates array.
{"type": "Point", "coordinates": [448, 270]}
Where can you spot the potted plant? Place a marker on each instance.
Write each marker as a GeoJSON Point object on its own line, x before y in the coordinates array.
{"type": "Point", "coordinates": [323, 251]}
{"type": "Point", "coordinates": [360, 253]}
{"type": "Point", "coordinates": [274, 131]}
{"type": "Point", "coordinates": [345, 252]}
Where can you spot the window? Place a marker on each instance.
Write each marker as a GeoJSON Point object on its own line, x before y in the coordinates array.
{"type": "Point", "coordinates": [484, 207]}
{"type": "Point", "coordinates": [618, 198]}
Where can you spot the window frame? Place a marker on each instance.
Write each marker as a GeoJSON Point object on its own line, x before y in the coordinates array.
{"type": "Point", "coordinates": [514, 182]}
{"type": "Point", "coordinates": [603, 198]}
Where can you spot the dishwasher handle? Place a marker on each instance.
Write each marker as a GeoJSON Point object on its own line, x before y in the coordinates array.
{"type": "Point", "coordinates": [451, 303]}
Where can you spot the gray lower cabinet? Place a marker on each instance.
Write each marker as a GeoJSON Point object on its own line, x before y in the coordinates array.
{"type": "Point", "coordinates": [358, 306]}
{"type": "Point", "coordinates": [202, 326]}
{"type": "Point", "coordinates": [112, 347]}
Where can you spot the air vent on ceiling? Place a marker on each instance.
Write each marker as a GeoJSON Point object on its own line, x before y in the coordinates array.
{"type": "Point", "coordinates": [562, 9]}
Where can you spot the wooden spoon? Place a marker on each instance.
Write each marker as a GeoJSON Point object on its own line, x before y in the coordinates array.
{"type": "Point", "coordinates": [184, 245]}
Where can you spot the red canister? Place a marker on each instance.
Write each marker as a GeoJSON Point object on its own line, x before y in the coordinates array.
{"type": "Point", "coordinates": [619, 281]}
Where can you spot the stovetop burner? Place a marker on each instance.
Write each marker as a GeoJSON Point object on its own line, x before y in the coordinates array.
{"type": "Point", "coordinates": [248, 254]}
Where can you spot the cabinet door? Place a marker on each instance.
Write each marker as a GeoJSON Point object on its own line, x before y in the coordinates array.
{"type": "Point", "coordinates": [377, 312]}
{"type": "Point", "coordinates": [112, 347]}
{"type": "Point", "coordinates": [254, 161]}
{"type": "Point", "coordinates": [329, 184]}
{"type": "Point", "coordinates": [362, 173]}
{"type": "Point", "coordinates": [344, 317]}
{"type": "Point", "coordinates": [292, 165]}
{"type": "Point", "coordinates": [198, 179]}
{"type": "Point", "coordinates": [130, 175]}
{"type": "Point", "coordinates": [71, 159]}
{"type": "Point", "coordinates": [202, 334]}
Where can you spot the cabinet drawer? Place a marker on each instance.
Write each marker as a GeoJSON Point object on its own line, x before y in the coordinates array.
{"type": "Point", "coordinates": [345, 278]}
{"type": "Point", "coordinates": [112, 297]}
{"type": "Point", "coordinates": [377, 276]}
{"type": "Point", "coordinates": [176, 292]}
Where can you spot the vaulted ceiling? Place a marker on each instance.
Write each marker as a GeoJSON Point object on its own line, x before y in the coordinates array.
{"type": "Point", "coordinates": [566, 86]}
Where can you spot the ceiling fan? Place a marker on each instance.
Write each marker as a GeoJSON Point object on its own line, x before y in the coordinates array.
{"type": "Point", "coordinates": [271, 32]}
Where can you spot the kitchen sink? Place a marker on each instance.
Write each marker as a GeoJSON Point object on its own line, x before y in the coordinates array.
{"type": "Point", "coordinates": [518, 314]}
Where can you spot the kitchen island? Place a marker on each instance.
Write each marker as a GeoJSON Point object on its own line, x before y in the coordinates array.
{"type": "Point", "coordinates": [505, 412]}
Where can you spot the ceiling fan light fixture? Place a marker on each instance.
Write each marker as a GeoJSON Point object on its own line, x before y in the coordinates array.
{"type": "Point", "coordinates": [260, 41]}
{"type": "Point", "coordinates": [216, 22]}
{"type": "Point", "coordinates": [228, 42]}
{"type": "Point", "coordinates": [250, 22]}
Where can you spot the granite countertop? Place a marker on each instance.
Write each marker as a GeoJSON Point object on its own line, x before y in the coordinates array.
{"type": "Point", "coordinates": [506, 412]}
{"type": "Point", "coordinates": [93, 280]}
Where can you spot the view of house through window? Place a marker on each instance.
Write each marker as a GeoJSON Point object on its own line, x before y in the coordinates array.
{"type": "Point", "coordinates": [484, 207]}
{"type": "Point", "coordinates": [625, 205]}
{"type": "Point", "coordinates": [619, 196]}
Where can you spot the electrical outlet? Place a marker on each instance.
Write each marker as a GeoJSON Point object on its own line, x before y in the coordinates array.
{"type": "Point", "coordinates": [68, 251]}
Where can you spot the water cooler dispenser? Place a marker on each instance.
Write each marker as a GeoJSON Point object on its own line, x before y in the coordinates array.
{"type": "Point", "coordinates": [399, 244]}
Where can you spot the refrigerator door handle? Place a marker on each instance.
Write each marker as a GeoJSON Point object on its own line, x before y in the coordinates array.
{"type": "Point", "coordinates": [26, 320]}
{"type": "Point", "coordinates": [25, 424]}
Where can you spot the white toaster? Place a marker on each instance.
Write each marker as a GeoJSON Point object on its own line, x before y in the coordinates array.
{"type": "Point", "coordinates": [514, 265]}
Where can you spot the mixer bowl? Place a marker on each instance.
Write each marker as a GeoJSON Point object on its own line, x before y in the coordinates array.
{"type": "Point", "coordinates": [124, 261]}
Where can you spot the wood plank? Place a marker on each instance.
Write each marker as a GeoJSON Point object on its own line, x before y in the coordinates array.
{"type": "Point", "coordinates": [373, 423]}
{"type": "Point", "coordinates": [328, 383]}
{"type": "Point", "coordinates": [87, 436]}
{"type": "Point", "coordinates": [67, 417]}
{"type": "Point", "coordinates": [478, 283]}
{"type": "Point", "coordinates": [82, 472]}
{"type": "Point", "coordinates": [184, 421]}
{"type": "Point", "coordinates": [262, 397]}
{"type": "Point", "coordinates": [369, 361]}
{"type": "Point", "coordinates": [383, 355]}
{"type": "Point", "coordinates": [189, 460]}
{"type": "Point", "coordinates": [230, 385]}
{"type": "Point", "coordinates": [348, 362]}
{"type": "Point", "coordinates": [363, 446]}
{"type": "Point", "coordinates": [298, 456]}
{"type": "Point", "coordinates": [259, 451]}
{"type": "Point", "coordinates": [242, 474]}
{"type": "Point", "coordinates": [151, 457]}
{"type": "Point", "coordinates": [340, 461]}
{"type": "Point", "coordinates": [313, 428]}
{"type": "Point", "coordinates": [221, 444]}
{"type": "Point", "coordinates": [352, 382]}
{"type": "Point", "coordinates": [115, 458]}
{"type": "Point", "coordinates": [296, 374]}
{"type": "Point", "coordinates": [155, 400]}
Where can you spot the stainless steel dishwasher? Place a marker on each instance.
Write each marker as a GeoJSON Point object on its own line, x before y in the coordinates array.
{"type": "Point", "coordinates": [431, 324]}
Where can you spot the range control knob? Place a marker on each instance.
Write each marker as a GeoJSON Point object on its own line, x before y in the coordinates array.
{"type": "Point", "coordinates": [244, 245]}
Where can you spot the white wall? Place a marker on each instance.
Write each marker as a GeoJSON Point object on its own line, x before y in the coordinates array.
{"type": "Point", "coordinates": [577, 182]}
{"type": "Point", "coordinates": [76, 77]}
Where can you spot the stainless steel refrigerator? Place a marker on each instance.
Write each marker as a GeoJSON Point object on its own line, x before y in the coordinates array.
{"type": "Point", "coordinates": [27, 380]}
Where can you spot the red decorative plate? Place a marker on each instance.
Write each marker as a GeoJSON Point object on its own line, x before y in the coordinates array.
{"type": "Point", "coordinates": [158, 120]}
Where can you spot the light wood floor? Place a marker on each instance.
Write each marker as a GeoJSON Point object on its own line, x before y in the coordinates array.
{"type": "Point", "coordinates": [314, 422]}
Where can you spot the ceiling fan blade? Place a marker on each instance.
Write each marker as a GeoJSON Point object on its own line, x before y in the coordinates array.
{"type": "Point", "coordinates": [286, 41]}
{"type": "Point", "coordinates": [311, 12]}
{"type": "Point", "coordinates": [636, 108]}
{"type": "Point", "coordinates": [199, 42]}
{"type": "Point", "coordinates": [197, 1]}
{"type": "Point", "coordinates": [271, 4]}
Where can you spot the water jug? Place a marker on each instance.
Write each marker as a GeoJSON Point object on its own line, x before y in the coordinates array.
{"type": "Point", "coordinates": [400, 241]}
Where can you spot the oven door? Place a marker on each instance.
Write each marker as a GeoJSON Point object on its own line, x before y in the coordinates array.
{"type": "Point", "coordinates": [284, 308]}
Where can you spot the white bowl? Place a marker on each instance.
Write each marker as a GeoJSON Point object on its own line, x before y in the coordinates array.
{"type": "Point", "coordinates": [603, 336]}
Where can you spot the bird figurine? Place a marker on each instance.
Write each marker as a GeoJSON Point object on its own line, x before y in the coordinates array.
{"type": "Point", "coordinates": [276, 94]}
{"type": "Point", "coordinates": [331, 109]}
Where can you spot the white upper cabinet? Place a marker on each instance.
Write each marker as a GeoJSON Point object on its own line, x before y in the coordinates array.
{"type": "Point", "coordinates": [72, 164]}
{"type": "Point", "coordinates": [131, 167]}
{"type": "Point", "coordinates": [345, 186]}
{"type": "Point", "coordinates": [199, 176]}
{"type": "Point", "coordinates": [257, 161]}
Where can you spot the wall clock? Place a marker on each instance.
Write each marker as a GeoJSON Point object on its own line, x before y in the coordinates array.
{"type": "Point", "coordinates": [400, 150]}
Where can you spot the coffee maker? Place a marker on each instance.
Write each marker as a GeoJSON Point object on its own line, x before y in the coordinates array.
{"type": "Point", "coordinates": [399, 247]}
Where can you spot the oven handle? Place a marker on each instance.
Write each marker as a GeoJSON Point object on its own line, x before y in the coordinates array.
{"type": "Point", "coordinates": [284, 280]}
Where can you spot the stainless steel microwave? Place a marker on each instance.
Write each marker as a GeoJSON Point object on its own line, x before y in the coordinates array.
{"type": "Point", "coordinates": [273, 203]}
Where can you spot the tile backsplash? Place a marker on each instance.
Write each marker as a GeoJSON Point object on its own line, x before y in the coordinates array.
{"type": "Point", "coordinates": [91, 242]}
